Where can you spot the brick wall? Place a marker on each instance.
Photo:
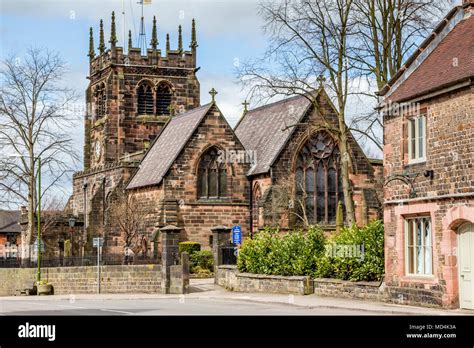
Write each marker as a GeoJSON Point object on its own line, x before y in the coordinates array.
{"type": "Point", "coordinates": [448, 198]}
{"type": "Point", "coordinates": [229, 278]}
{"type": "Point", "coordinates": [342, 288]}
{"type": "Point", "coordinates": [83, 280]}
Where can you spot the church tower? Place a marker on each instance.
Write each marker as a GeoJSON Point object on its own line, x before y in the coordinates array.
{"type": "Point", "coordinates": [131, 96]}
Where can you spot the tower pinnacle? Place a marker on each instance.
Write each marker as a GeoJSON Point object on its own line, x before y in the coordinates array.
{"type": "Point", "coordinates": [193, 44]}
{"type": "Point", "coordinates": [101, 38]}
{"type": "Point", "coordinates": [91, 54]}
{"type": "Point", "coordinates": [154, 36]}
{"type": "Point", "coordinates": [180, 39]}
{"type": "Point", "coordinates": [113, 34]}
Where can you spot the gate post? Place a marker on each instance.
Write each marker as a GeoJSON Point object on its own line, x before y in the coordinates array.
{"type": "Point", "coordinates": [170, 239]}
{"type": "Point", "coordinates": [220, 237]}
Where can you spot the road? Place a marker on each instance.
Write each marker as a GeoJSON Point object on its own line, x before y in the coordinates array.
{"type": "Point", "coordinates": [205, 298]}
{"type": "Point", "coordinates": [161, 306]}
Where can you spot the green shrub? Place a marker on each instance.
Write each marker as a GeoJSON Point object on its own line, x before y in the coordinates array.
{"type": "Point", "coordinates": [369, 267]}
{"type": "Point", "coordinates": [202, 262]}
{"type": "Point", "coordinates": [189, 247]}
{"type": "Point", "coordinates": [269, 252]}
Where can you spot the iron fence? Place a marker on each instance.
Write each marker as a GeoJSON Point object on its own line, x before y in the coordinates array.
{"type": "Point", "coordinates": [88, 260]}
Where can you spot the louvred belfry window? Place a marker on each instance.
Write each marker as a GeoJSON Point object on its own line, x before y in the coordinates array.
{"type": "Point", "coordinates": [163, 99]}
{"type": "Point", "coordinates": [145, 100]}
{"type": "Point", "coordinates": [100, 96]}
{"type": "Point", "coordinates": [212, 176]}
{"type": "Point", "coordinates": [318, 179]}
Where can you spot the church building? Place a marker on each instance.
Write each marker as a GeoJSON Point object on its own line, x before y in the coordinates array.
{"type": "Point", "coordinates": [180, 163]}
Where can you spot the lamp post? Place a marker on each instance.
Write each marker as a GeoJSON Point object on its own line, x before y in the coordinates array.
{"type": "Point", "coordinates": [72, 223]}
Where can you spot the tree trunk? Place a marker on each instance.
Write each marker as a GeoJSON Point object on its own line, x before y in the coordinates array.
{"type": "Point", "coordinates": [345, 164]}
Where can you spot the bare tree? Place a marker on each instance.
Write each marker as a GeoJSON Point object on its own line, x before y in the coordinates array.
{"type": "Point", "coordinates": [386, 33]}
{"type": "Point", "coordinates": [129, 215]}
{"type": "Point", "coordinates": [344, 40]}
{"type": "Point", "coordinates": [34, 124]}
{"type": "Point", "coordinates": [308, 38]}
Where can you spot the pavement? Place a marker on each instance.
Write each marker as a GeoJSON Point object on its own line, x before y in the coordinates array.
{"type": "Point", "coordinates": [206, 298]}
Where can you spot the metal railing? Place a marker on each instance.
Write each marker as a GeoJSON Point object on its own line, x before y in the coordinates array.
{"type": "Point", "coordinates": [89, 260]}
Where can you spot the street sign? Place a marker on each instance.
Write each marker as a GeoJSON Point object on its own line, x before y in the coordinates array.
{"type": "Point", "coordinates": [35, 246]}
{"type": "Point", "coordinates": [96, 242]}
{"type": "Point", "coordinates": [237, 235]}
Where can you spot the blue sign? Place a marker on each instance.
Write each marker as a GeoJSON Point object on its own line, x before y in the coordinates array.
{"type": "Point", "coordinates": [237, 235]}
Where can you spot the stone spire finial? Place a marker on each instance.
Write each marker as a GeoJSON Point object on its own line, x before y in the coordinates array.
{"type": "Point", "coordinates": [130, 45]}
{"type": "Point", "coordinates": [167, 42]}
{"type": "Point", "coordinates": [113, 34]}
{"type": "Point", "coordinates": [180, 39]}
{"type": "Point", "coordinates": [154, 36]}
{"type": "Point", "coordinates": [193, 44]}
{"type": "Point", "coordinates": [101, 38]}
{"type": "Point", "coordinates": [213, 93]}
{"type": "Point", "coordinates": [91, 54]}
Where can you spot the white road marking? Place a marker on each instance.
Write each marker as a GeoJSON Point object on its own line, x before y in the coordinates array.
{"type": "Point", "coordinates": [66, 306]}
{"type": "Point", "coordinates": [111, 310]}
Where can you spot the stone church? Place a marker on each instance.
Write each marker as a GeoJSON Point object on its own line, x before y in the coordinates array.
{"type": "Point", "coordinates": [182, 164]}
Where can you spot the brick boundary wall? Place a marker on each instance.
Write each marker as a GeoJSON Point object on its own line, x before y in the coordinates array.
{"type": "Point", "coordinates": [229, 278]}
{"type": "Point", "coordinates": [373, 291]}
{"type": "Point", "coordinates": [83, 280]}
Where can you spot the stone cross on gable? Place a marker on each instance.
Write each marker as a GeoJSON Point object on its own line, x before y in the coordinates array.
{"type": "Point", "coordinates": [213, 93]}
{"type": "Point", "coordinates": [246, 104]}
{"type": "Point", "coordinates": [321, 79]}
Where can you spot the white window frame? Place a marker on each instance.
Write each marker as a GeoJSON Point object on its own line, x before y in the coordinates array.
{"type": "Point", "coordinates": [412, 220]}
{"type": "Point", "coordinates": [416, 158]}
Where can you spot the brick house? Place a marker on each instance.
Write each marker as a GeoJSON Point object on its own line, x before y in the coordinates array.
{"type": "Point", "coordinates": [428, 110]}
{"type": "Point", "coordinates": [10, 232]}
{"type": "Point", "coordinates": [146, 133]}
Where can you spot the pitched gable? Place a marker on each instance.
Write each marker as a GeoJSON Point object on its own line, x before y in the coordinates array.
{"type": "Point", "coordinates": [265, 129]}
{"type": "Point", "coordinates": [167, 147]}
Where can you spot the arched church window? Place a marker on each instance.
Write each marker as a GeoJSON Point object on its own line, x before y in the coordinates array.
{"type": "Point", "coordinates": [101, 99]}
{"type": "Point", "coordinates": [163, 99]}
{"type": "Point", "coordinates": [318, 179]}
{"type": "Point", "coordinates": [212, 176]}
{"type": "Point", "coordinates": [145, 99]}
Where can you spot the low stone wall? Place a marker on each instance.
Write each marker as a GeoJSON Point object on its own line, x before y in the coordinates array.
{"type": "Point", "coordinates": [229, 278]}
{"type": "Point", "coordinates": [347, 289]}
{"type": "Point", "coordinates": [83, 280]}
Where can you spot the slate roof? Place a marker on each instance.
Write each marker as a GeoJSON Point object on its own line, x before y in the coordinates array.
{"type": "Point", "coordinates": [167, 146]}
{"type": "Point", "coordinates": [9, 221]}
{"type": "Point", "coordinates": [262, 129]}
{"type": "Point", "coordinates": [445, 58]}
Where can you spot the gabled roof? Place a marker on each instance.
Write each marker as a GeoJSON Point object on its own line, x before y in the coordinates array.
{"type": "Point", "coordinates": [167, 146]}
{"type": "Point", "coordinates": [444, 59]}
{"type": "Point", "coordinates": [266, 130]}
{"type": "Point", "coordinates": [9, 221]}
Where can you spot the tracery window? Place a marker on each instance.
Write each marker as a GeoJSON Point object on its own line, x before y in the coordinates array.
{"type": "Point", "coordinates": [318, 179]}
{"type": "Point", "coordinates": [212, 176]}
{"type": "Point", "coordinates": [145, 99]}
{"type": "Point", "coordinates": [163, 99]}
